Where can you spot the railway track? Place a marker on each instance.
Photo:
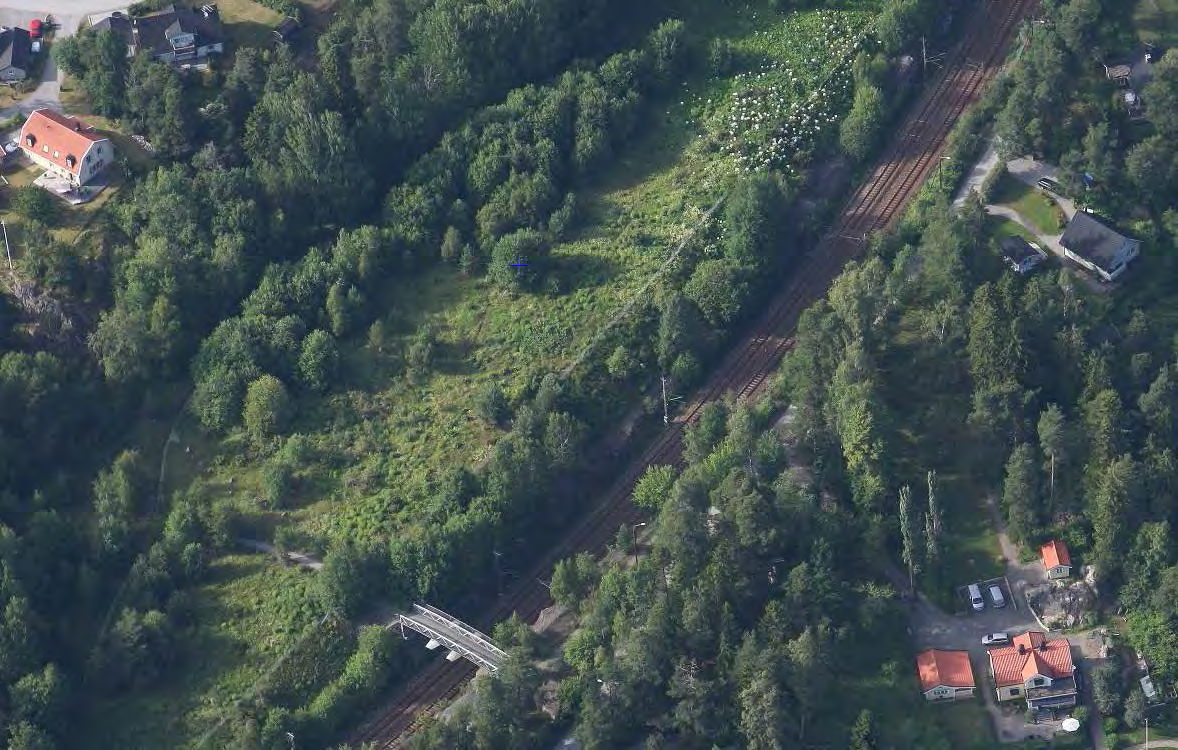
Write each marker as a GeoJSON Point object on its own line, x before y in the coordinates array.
{"type": "Point", "coordinates": [910, 158]}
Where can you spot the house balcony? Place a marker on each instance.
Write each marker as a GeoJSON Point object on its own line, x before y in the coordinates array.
{"type": "Point", "coordinates": [1061, 692]}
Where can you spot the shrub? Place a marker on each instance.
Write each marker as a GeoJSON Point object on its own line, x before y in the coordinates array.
{"type": "Point", "coordinates": [36, 204]}
{"type": "Point", "coordinates": [267, 407]}
{"type": "Point", "coordinates": [492, 405]}
{"type": "Point", "coordinates": [685, 370]}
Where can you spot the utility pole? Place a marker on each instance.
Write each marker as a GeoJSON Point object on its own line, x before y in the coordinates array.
{"type": "Point", "coordinates": [6, 249]}
{"type": "Point", "coordinates": [935, 59]}
{"type": "Point", "coordinates": [498, 571]}
{"type": "Point", "coordinates": [662, 379]}
{"type": "Point", "coordinates": [635, 529]}
{"type": "Point", "coordinates": [667, 401]}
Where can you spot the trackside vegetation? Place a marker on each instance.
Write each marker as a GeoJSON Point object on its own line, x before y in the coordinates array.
{"type": "Point", "coordinates": [300, 324]}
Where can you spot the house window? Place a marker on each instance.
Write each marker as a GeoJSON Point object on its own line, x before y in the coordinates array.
{"type": "Point", "coordinates": [1014, 691]}
{"type": "Point", "coordinates": [45, 149]}
{"type": "Point", "coordinates": [56, 153]}
{"type": "Point", "coordinates": [1038, 681]}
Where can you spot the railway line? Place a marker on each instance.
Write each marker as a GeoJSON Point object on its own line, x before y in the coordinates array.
{"type": "Point", "coordinates": [912, 155]}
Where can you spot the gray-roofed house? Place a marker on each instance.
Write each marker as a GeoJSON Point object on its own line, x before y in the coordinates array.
{"type": "Point", "coordinates": [1021, 255]}
{"type": "Point", "coordinates": [121, 26]}
{"type": "Point", "coordinates": [174, 34]}
{"type": "Point", "coordinates": [16, 54]}
{"type": "Point", "coordinates": [1098, 248]}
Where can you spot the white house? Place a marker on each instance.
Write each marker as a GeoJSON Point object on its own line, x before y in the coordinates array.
{"type": "Point", "coordinates": [1056, 560]}
{"type": "Point", "coordinates": [174, 34]}
{"type": "Point", "coordinates": [1098, 248]}
{"type": "Point", "coordinates": [945, 675]}
{"type": "Point", "coordinates": [65, 146]}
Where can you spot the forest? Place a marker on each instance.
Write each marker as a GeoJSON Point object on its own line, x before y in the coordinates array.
{"type": "Point", "coordinates": [762, 613]}
{"type": "Point", "coordinates": [353, 368]}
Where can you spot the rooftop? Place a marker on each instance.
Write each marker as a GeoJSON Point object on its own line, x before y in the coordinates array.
{"type": "Point", "coordinates": [1092, 240]}
{"type": "Point", "coordinates": [15, 49]}
{"type": "Point", "coordinates": [67, 138]}
{"type": "Point", "coordinates": [1017, 250]}
{"type": "Point", "coordinates": [1030, 654]}
{"type": "Point", "coordinates": [1054, 554]}
{"type": "Point", "coordinates": [944, 668]}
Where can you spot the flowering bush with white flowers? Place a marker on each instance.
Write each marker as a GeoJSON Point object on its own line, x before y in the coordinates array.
{"type": "Point", "coordinates": [777, 113]}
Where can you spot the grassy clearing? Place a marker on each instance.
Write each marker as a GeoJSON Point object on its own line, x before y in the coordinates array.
{"type": "Point", "coordinates": [73, 220]}
{"type": "Point", "coordinates": [248, 24]}
{"type": "Point", "coordinates": [634, 215]}
{"type": "Point", "coordinates": [240, 604]}
{"type": "Point", "coordinates": [894, 697]}
{"type": "Point", "coordinates": [1157, 22]}
{"type": "Point", "coordinates": [1000, 227]}
{"type": "Point", "coordinates": [1033, 205]}
{"type": "Point", "coordinates": [377, 440]}
{"type": "Point", "coordinates": [973, 552]}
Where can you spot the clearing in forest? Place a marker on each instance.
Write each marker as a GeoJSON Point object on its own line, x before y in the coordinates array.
{"type": "Point", "coordinates": [776, 87]}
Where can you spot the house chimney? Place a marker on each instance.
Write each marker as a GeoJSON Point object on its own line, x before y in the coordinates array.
{"type": "Point", "coordinates": [77, 126]}
{"type": "Point", "coordinates": [1022, 649]}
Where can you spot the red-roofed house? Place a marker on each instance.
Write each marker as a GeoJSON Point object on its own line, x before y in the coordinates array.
{"type": "Point", "coordinates": [945, 675]}
{"type": "Point", "coordinates": [1056, 559]}
{"type": "Point", "coordinates": [1034, 668]}
{"type": "Point", "coordinates": [65, 146]}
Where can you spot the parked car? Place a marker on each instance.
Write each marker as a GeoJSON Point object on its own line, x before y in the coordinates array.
{"type": "Point", "coordinates": [995, 639]}
{"type": "Point", "coordinates": [975, 598]}
{"type": "Point", "coordinates": [35, 28]}
{"type": "Point", "coordinates": [1050, 185]}
{"type": "Point", "coordinates": [996, 597]}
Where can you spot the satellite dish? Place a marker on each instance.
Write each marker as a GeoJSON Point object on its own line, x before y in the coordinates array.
{"type": "Point", "coordinates": [1070, 724]}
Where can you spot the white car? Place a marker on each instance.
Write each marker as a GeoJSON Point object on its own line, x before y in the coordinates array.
{"type": "Point", "coordinates": [995, 639]}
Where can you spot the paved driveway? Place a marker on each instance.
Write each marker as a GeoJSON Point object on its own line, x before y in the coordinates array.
{"type": "Point", "coordinates": [68, 14]}
{"type": "Point", "coordinates": [1030, 172]}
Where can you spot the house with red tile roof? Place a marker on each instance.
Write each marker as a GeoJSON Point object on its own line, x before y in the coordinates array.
{"type": "Point", "coordinates": [945, 675]}
{"type": "Point", "coordinates": [1035, 669]}
{"type": "Point", "coordinates": [1056, 559]}
{"type": "Point", "coordinates": [65, 146]}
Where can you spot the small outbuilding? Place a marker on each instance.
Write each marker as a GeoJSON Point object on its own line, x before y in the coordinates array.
{"type": "Point", "coordinates": [1021, 255]}
{"type": "Point", "coordinates": [945, 675]}
{"type": "Point", "coordinates": [285, 30]}
{"type": "Point", "coordinates": [1056, 559]}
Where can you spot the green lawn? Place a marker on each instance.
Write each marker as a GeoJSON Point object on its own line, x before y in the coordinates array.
{"type": "Point", "coordinates": [248, 24]}
{"type": "Point", "coordinates": [1157, 22]}
{"type": "Point", "coordinates": [1000, 227]}
{"type": "Point", "coordinates": [1032, 204]}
